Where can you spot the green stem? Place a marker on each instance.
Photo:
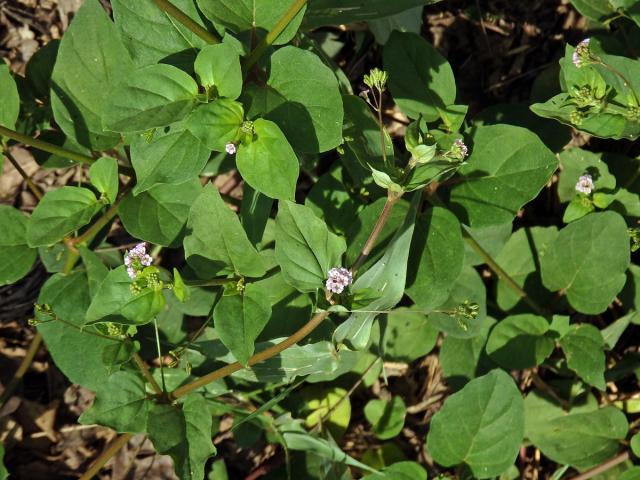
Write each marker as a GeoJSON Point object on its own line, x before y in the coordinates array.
{"type": "Point", "coordinates": [169, 8]}
{"type": "Point", "coordinates": [502, 275]}
{"type": "Point", "coordinates": [22, 369]}
{"type": "Point", "coordinates": [27, 179]}
{"type": "Point", "coordinates": [93, 230]}
{"type": "Point", "coordinates": [275, 32]}
{"type": "Point", "coordinates": [105, 456]}
{"type": "Point", "coordinates": [155, 326]}
{"type": "Point", "coordinates": [55, 149]}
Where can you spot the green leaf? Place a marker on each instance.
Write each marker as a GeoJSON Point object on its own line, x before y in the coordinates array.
{"type": "Point", "coordinates": [310, 113]}
{"type": "Point", "coordinates": [104, 176]}
{"type": "Point", "coordinates": [76, 349]}
{"type": "Point", "coordinates": [385, 281]}
{"type": "Point", "coordinates": [152, 96]}
{"type": "Point", "coordinates": [520, 342]}
{"type": "Point", "coordinates": [216, 243]}
{"type": "Point", "coordinates": [400, 471]}
{"type": "Point", "coordinates": [160, 214]}
{"type": "Point", "coordinates": [16, 257]}
{"type": "Point", "coordinates": [406, 21]}
{"type": "Point", "coordinates": [520, 259]}
{"type": "Point", "coordinates": [152, 36]}
{"type": "Point", "coordinates": [174, 158]}
{"type": "Point", "coordinates": [305, 248]}
{"type": "Point", "coordinates": [91, 56]}
{"type": "Point", "coordinates": [487, 416]}
{"type": "Point", "coordinates": [577, 208]}
{"type": "Point", "coordinates": [437, 253]}
{"type": "Point", "coordinates": [583, 438]}
{"type": "Point", "coordinates": [9, 98]}
{"type": "Point", "coordinates": [121, 404]}
{"type": "Point", "coordinates": [184, 433]}
{"type": "Point", "coordinates": [583, 346]}
{"type": "Point", "coordinates": [219, 66]}
{"type": "Point", "coordinates": [268, 163]}
{"type": "Point", "coordinates": [507, 167]}
{"type": "Point", "coordinates": [588, 260]}
{"type": "Point", "coordinates": [239, 319]}
{"type": "Point", "coordinates": [4, 474]}
{"type": "Point", "coordinates": [386, 418]}
{"type": "Point", "coordinates": [335, 12]}
{"type": "Point", "coordinates": [95, 269]}
{"type": "Point", "coordinates": [464, 359]}
{"type": "Point", "coordinates": [330, 408]}
{"type": "Point", "coordinates": [216, 123]}
{"type": "Point", "coordinates": [259, 16]}
{"type": "Point", "coordinates": [420, 79]}
{"type": "Point", "coordinates": [59, 213]}
{"type": "Point", "coordinates": [595, 9]}
{"type": "Point", "coordinates": [116, 302]}
{"type": "Point", "coordinates": [40, 67]}
{"type": "Point", "coordinates": [632, 473]}
{"type": "Point", "coordinates": [635, 444]}
{"type": "Point", "coordinates": [406, 335]}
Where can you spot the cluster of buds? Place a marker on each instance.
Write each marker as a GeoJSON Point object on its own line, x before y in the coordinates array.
{"type": "Point", "coordinates": [458, 151]}
{"type": "Point", "coordinates": [136, 259]}
{"type": "Point", "coordinates": [338, 279]}
{"type": "Point", "coordinates": [634, 234]}
{"type": "Point", "coordinates": [376, 79]}
{"type": "Point", "coordinates": [576, 117]}
{"type": "Point", "coordinates": [582, 54]}
{"type": "Point", "coordinates": [465, 311]}
{"type": "Point", "coordinates": [585, 184]}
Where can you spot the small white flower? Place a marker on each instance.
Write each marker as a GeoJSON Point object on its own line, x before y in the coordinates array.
{"type": "Point", "coordinates": [136, 259]}
{"type": "Point", "coordinates": [338, 279]}
{"type": "Point", "coordinates": [231, 148]}
{"type": "Point", "coordinates": [462, 148]}
{"type": "Point", "coordinates": [585, 184]}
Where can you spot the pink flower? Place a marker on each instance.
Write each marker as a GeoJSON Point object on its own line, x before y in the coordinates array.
{"type": "Point", "coordinates": [136, 259]}
{"type": "Point", "coordinates": [231, 148]}
{"type": "Point", "coordinates": [338, 279]}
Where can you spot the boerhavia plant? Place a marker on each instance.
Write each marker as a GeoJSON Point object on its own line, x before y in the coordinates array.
{"type": "Point", "coordinates": [352, 245]}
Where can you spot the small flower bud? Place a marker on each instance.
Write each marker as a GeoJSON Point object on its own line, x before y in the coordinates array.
{"type": "Point", "coordinates": [376, 79]}
{"type": "Point", "coordinates": [230, 148]}
{"type": "Point", "coordinates": [338, 279]}
{"type": "Point", "coordinates": [582, 54]}
{"type": "Point", "coordinates": [585, 184]}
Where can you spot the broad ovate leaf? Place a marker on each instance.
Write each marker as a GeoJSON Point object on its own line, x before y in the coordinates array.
{"type": "Point", "coordinates": [481, 426]}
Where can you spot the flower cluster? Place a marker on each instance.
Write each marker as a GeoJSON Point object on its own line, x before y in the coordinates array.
{"type": "Point", "coordinates": [582, 54]}
{"type": "Point", "coordinates": [585, 184]}
{"type": "Point", "coordinates": [136, 259]}
{"type": "Point", "coordinates": [338, 279]}
{"type": "Point", "coordinates": [461, 148]}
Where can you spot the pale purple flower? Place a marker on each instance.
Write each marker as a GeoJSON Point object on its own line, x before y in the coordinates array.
{"type": "Point", "coordinates": [136, 259]}
{"type": "Point", "coordinates": [462, 148]}
{"type": "Point", "coordinates": [585, 184]}
{"type": "Point", "coordinates": [231, 148]}
{"type": "Point", "coordinates": [581, 54]}
{"type": "Point", "coordinates": [338, 279]}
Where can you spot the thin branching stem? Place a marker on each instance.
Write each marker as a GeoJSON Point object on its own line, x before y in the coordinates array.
{"type": "Point", "coordinates": [106, 455]}
{"type": "Point", "coordinates": [27, 179]}
{"type": "Point", "coordinates": [275, 32]}
{"type": "Point", "coordinates": [170, 9]}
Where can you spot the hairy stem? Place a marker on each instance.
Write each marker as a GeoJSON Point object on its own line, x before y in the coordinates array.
{"type": "Point", "coordinates": [392, 199]}
{"type": "Point", "coordinates": [137, 359]}
{"type": "Point", "coordinates": [169, 8]}
{"type": "Point", "coordinates": [603, 467]}
{"type": "Point", "coordinates": [22, 369]}
{"type": "Point", "coordinates": [275, 32]}
{"type": "Point", "coordinates": [106, 455]}
{"type": "Point", "coordinates": [27, 179]}
{"type": "Point", "coordinates": [55, 149]}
